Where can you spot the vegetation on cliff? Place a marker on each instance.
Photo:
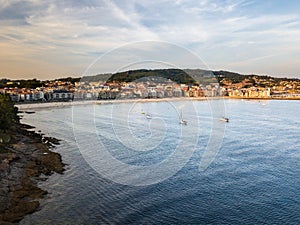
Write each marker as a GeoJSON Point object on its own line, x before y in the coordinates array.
{"type": "Point", "coordinates": [8, 113]}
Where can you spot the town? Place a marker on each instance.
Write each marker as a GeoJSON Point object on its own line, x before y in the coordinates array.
{"type": "Point", "coordinates": [224, 83]}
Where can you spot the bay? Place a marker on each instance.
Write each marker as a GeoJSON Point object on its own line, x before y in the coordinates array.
{"type": "Point", "coordinates": [254, 177]}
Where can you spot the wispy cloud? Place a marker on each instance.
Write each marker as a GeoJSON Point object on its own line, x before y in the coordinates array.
{"type": "Point", "coordinates": [211, 6]}
{"type": "Point", "coordinates": [69, 34]}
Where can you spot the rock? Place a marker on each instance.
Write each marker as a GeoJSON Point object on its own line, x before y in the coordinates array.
{"type": "Point", "coordinates": [18, 210]}
{"type": "Point", "coordinates": [21, 166]}
{"type": "Point", "coordinates": [52, 140]}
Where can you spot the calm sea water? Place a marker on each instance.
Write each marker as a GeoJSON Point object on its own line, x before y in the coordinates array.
{"type": "Point", "coordinates": [254, 178]}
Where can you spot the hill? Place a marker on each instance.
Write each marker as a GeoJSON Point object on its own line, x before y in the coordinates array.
{"type": "Point", "coordinates": [185, 76]}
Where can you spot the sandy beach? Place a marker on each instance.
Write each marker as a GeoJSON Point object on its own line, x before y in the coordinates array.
{"type": "Point", "coordinates": [28, 106]}
{"type": "Point", "coordinates": [37, 105]}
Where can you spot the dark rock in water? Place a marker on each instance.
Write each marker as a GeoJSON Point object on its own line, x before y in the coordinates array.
{"type": "Point", "coordinates": [29, 112]}
{"type": "Point", "coordinates": [52, 140]}
{"type": "Point", "coordinates": [26, 126]}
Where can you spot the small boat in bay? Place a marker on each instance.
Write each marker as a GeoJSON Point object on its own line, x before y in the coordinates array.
{"type": "Point", "coordinates": [224, 119]}
{"type": "Point", "coordinates": [182, 121]}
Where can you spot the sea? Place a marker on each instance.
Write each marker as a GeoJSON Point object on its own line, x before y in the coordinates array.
{"type": "Point", "coordinates": [124, 167]}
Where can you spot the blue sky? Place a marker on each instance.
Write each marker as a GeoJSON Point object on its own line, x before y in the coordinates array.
{"type": "Point", "coordinates": [50, 39]}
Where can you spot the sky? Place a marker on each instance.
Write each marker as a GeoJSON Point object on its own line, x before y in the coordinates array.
{"type": "Point", "coordinates": [57, 38]}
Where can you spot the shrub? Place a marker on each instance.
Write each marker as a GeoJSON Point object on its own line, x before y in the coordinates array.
{"type": "Point", "coordinates": [8, 113]}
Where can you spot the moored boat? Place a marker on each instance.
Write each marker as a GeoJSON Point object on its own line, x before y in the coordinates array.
{"type": "Point", "coordinates": [224, 119]}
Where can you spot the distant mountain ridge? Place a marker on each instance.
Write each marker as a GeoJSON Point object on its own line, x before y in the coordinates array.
{"type": "Point", "coordinates": [184, 76]}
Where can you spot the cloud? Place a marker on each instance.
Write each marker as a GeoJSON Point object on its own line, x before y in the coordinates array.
{"type": "Point", "coordinates": [222, 32]}
{"type": "Point", "coordinates": [212, 6]}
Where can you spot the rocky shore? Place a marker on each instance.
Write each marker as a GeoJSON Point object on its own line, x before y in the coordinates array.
{"type": "Point", "coordinates": [25, 160]}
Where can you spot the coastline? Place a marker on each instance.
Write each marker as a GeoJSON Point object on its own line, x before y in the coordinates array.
{"type": "Point", "coordinates": [25, 161]}
{"type": "Point", "coordinates": [26, 106]}
{"type": "Point", "coordinates": [263, 99]}
{"type": "Point", "coordinates": [37, 105]}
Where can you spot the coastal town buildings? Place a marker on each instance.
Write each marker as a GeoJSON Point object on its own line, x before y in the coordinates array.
{"type": "Point", "coordinates": [249, 87]}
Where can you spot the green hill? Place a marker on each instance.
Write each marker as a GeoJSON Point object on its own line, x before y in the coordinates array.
{"type": "Point", "coordinates": [185, 76]}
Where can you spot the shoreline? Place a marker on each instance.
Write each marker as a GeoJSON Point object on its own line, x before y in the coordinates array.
{"type": "Point", "coordinates": [265, 99]}
{"type": "Point", "coordinates": [26, 160]}
{"type": "Point", "coordinates": [37, 105]}
{"type": "Point", "coordinates": [26, 106]}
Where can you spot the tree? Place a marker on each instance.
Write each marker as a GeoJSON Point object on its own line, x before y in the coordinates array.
{"type": "Point", "coordinates": [8, 113]}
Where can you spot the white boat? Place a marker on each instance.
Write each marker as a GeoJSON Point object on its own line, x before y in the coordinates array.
{"type": "Point", "coordinates": [224, 119]}
{"type": "Point", "coordinates": [148, 116]}
{"type": "Point", "coordinates": [182, 121]}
